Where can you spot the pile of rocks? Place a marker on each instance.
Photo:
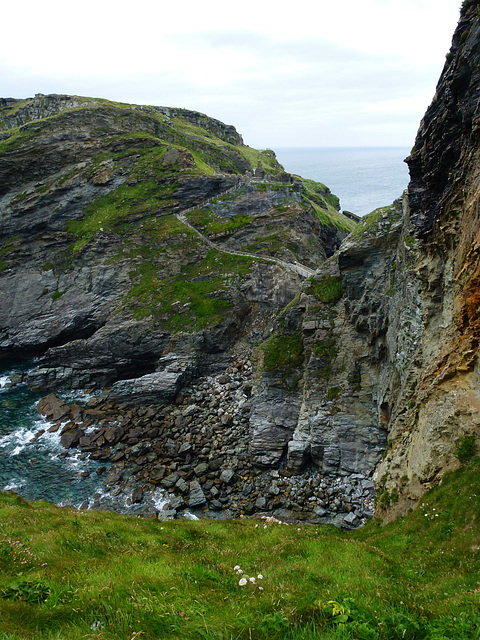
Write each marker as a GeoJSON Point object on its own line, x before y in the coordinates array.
{"type": "Point", "coordinates": [197, 452]}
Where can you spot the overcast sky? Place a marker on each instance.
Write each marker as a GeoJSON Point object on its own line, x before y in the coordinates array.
{"type": "Point", "coordinates": [303, 73]}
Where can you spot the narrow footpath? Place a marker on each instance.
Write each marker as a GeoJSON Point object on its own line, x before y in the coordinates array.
{"type": "Point", "coordinates": [295, 267]}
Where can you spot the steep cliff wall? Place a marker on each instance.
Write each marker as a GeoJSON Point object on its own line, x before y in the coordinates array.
{"type": "Point", "coordinates": [390, 379]}
{"type": "Point", "coordinates": [407, 324]}
{"type": "Point", "coordinates": [437, 405]}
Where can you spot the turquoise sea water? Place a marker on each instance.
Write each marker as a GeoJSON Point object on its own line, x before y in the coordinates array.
{"type": "Point", "coordinates": [34, 464]}
{"type": "Point", "coordinates": [32, 461]}
{"type": "Point", "coordinates": [363, 178]}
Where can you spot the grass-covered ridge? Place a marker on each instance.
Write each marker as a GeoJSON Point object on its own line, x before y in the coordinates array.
{"type": "Point", "coordinates": [121, 130]}
{"type": "Point", "coordinates": [326, 205]}
{"type": "Point", "coordinates": [72, 575]}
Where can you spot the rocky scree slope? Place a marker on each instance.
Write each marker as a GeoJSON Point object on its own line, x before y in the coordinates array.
{"type": "Point", "coordinates": [110, 290]}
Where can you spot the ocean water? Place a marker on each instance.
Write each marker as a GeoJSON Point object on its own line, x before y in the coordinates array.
{"type": "Point", "coordinates": [34, 464]}
{"type": "Point", "coordinates": [364, 178]}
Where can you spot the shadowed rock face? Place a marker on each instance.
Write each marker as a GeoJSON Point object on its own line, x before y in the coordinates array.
{"type": "Point", "coordinates": [427, 389]}
{"type": "Point", "coordinates": [449, 129]}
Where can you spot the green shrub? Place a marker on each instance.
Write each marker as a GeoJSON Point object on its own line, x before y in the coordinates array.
{"type": "Point", "coordinates": [328, 289]}
{"type": "Point", "coordinates": [465, 448]}
{"type": "Point", "coordinates": [283, 352]}
{"type": "Point", "coordinates": [332, 393]}
{"type": "Point", "coordinates": [58, 294]}
{"type": "Point", "coordinates": [27, 590]}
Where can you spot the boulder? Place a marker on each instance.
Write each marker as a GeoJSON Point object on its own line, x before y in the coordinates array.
{"type": "Point", "coordinates": [137, 495]}
{"type": "Point", "coordinates": [196, 496]}
{"type": "Point", "coordinates": [227, 476]}
{"type": "Point", "coordinates": [273, 421]}
{"type": "Point", "coordinates": [351, 520]}
{"type": "Point", "coordinates": [71, 438]}
{"type": "Point", "coordinates": [157, 474]}
{"type": "Point", "coordinates": [155, 388]}
{"type": "Point", "coordinates": [298, 455]}
{"type": "Point", "coordinates": [201, 469]}
{"type": "Point", "coordinates": [53, 408]}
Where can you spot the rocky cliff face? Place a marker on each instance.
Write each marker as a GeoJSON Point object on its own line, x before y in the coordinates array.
{"type": "Point", "coordinates": [144, 248]}
{"type": "Point", "coordinates": [406, 327]}
{"type": "Point", "coordinates": [148, 254]}
{"type": "Point", "coordinates": [91, 248]}
{"type": "Point", "coordinates": [436, 405]}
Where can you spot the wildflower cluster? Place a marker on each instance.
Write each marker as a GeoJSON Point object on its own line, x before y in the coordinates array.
{"type": "Point", "coordinates": [247, 579]}
{"type": "Point", "coordinates": [432, 515]}
{"type": "Point", "coordinates": [17, 553]}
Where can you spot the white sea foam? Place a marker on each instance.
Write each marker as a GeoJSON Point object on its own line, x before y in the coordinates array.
{"type": "Point", "coordinates": [75, 462]}
{"type": "Point", "coordinates": [13, 485]}
{"type": "Point", "coordinates": [190, 516]}
{"type": "Point", "coordinates": [4, 381]}
{"type": "Point", "coordinates": [17, 440]}
{"type": "Point", "coordinates": [50, 439]}
{"type": "Point", "coordinates": [159, 499]}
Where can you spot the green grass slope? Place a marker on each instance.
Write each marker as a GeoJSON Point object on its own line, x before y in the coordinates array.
{"type": "Point", "coordinates": [71, 575]}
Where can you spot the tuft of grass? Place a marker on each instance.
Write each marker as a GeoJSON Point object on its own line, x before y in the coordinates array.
{"type": "Point", "coordinates": [465, 448]}
{"type": "Point", "coordinates": [283, 352]}
{"type": "Point", "coordinates": [58, 294]}
{"type": "Point", "coordinates": [333, 393]}
{"type": "Point", "coordinates": [9, 246]}
{"type": "Point", "coordinates": [328, 289]}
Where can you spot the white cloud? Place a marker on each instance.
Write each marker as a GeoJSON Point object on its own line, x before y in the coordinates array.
{"type": "Point", "coordinates": [311, 72]}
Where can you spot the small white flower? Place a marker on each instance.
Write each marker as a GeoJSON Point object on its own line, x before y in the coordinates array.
{"type": "Point", "coordinates": [261, 588]}
{"type": "Point", "coordinates": [252, 580]}
{"type": "Point", "coordinates": [242, 582]}
{"type": "Point", "coordinates": [239, 571]}
{"type": "Point", "coordinates": [96, 626]}
{"type": "Point", "coordinates": [236, 567]}
{"type": "Point", "coordinates": [264, 526]}
{"type": "Point", "coordinates": [260, 577]}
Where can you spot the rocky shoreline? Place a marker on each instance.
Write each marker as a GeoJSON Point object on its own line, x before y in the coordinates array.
{"type": "Point", "coordinates": [196, 451]}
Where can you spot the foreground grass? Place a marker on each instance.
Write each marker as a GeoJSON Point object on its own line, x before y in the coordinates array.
{"type": "Point", "coordinates": [72, 575]}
